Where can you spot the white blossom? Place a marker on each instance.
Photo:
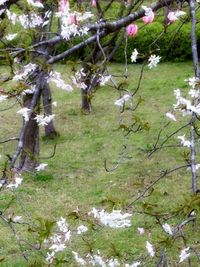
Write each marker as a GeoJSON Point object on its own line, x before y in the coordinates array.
{"type": "Point", "coordinates": [193, 82]}
{"type": "Point", "coordinates": [2, 11]}
{"type": "Point", "coordinates": [141, 230]}
{"type": "Point", "coordinates": [18, 181]}
{"type": "Point", "coordinates": [104, 79]}
{"type": "Point", "coordinates": [153, 61]}
{"type": "Point", "coordinates": [150, 249]}
{"type": "Point", "coordinates": [135, 264]}
{"type": "Point", "coordinates": [78, 259]}
{"type": "Point", "coordinates": [17, 219]}
{"type": "Point", "coordinates": [63, 225]}
{"type": "Point", "coordinates": [81, 229]}
{"type": "Point", "coordinates": [25, 112]}
{"type": "Point", "coordinates": [194, 93]}
{"type": "Point", "coordinates": [43, 120]}
{"type": "Point", "coordinates": [30, 90]}
{"type": "Point", "coordinates": [22, 74]}
{"type": "Point", "coordinates": [148, 10]}
{"type": "Point", "coordinates": [11, 16]}
{"type": "Point", "coordinates": [184, 142]}
{"type": "Point", "coordinates": [167, 228]}
{"type": "Point", "coordinates": [170, 116]}
{"type": "Point", "coordinates": [41, 167]}
{"type": "Point", "coordinates": [50, 257]}
{"type": "Point", "coordinates": [58, 247]}
{"type": "Point", "coordinates": [55, 77]}
{"type": "Point", "coordinates": [35, 3]}
{"type": "Point", "coordinates": [184, 254]}
{"type": "Point", "coordinates": [134, 55]}
{"type": "Point", "coordinates": [3, 98]}
{"type": "Point", "coordinates": [113, 263]}
{"type": "Point", "coordinates": [10, 37]}
{"type": "Point", "coordinates": [3, 2]}
{"type": "Point", "coordinates": [115, 219]}
{"type": "Point", "coordinates": [120, 102]}
{"type": "Point", "coordinates": [54, 104]}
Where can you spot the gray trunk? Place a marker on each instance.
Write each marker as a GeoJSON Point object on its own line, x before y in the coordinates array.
{"type": "Point", "coordinates": [50, 131]}
{"type": "Point", "coordinates": [30, 151]}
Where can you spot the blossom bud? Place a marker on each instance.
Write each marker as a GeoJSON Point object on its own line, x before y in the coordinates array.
{"type": "Point", "coordinates": [148, 19]}
{"type": "Point", "coordinates": [94, 3]}
{"type": "Point", "coordinates": [171, 17]}
{"type": "Point", "coordinates": [132, 29]}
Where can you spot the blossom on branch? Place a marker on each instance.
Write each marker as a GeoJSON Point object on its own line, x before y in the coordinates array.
{"type": "Point", "coordinates": [41, 167]}
{"type": "Point", "coordinates": [26, 70]}
{"type": "Point", "coordinates": [149, 15]}
{"type": "Point", "coordinates": [150, 249]}
{"type": "Point", "coordinates": [25, 112]}
{"type": "Point", "coordinates": [81, 229]}
{"type": "Point", "coordinates": [78, 259]}
{"type": "Point", "coordinates": [10, 37]}
{"type": "Point", "coordinates": [55, 77]}
{"type": "Point", "coordinates": [184, 142]}
{"type": "Point", "coordinates": [18, 181]}
{"type": "Point", "coordinates": [184, 254]}
{"type": "Point", "coordinates": [174, 15]}
{"type": "Point", "coordinates": [3, 98]}
{"type": "Point", "coordinates": [115, 219]}
{"type": "Point", "coordinates": [170, 116]}
{"type": "Point", "coordinates": [132, 30]}
{"type": "Point", "coordinates": [153, 61]}
{"type": "Point", "coordinates": [3, 2]}
{"type": "Point", "coordinates": [134, 55]}
{"type": "Point", "coordinates": [120, 102]}
{"type": "Point", "coordinates": [167, 228]}
{"type": "Point", "coordinates": [194, 82]}
{"type": "Point", "coordinates": [35, 3]}
{"type": "Point", "coordinates": [43, 120]}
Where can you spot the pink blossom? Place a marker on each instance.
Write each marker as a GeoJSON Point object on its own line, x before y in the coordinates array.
{"type": "Point", "coordinates": [63, 5]}
{"type": "Point", "coordinates": [148, 19]}
{"type": "Point", "coordinates": [94, 3]}
{"type": "Point", "coordinates": [73, 19]}
{"type": "Point", "coordinates": [174, 15]}
{"type": "Point", "coordinates": [132, 29]}
{"type": "Point", "coordinates": [171, 17]}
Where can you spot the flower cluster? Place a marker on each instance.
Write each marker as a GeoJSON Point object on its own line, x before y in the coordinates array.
{"type": "Point", "coordinates": [55, 77]}
{"type": "Point", "coordinates": [121, 102]}
{"type": "Point", "coordinates": [24, 72]}
{"type": "Point", "coordinates": [17, 181]}
{"type": "Point", "coordinates": [153, 61]}
{"type": "Point", "coordinates": [3, 98]}
{"type": "Point", "coordinates": [115, 219]}
{"type": "Point", "coordinates": [31, 20]}
{"type": "Point", "coordinates": [78, 79]}
{"type": "Point", "coordinates": [58, 241]}
{"type": "Point", "coordinates": [41, 167]}
{"type": "Point", "coordinates": [71, 21]}
{"type": "Point", "coordinates": [25, 112]}
{"type": "Point", "coordinates": [43, 120]}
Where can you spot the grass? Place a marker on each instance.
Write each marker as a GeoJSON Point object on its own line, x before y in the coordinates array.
{"type": "Point", "coordinates": [76, 177]}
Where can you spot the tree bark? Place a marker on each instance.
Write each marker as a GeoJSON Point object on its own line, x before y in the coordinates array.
{"type": "Point", "coordinates": [86, 106]}
{"type": "Point", "coordinates": [30, 150]}
{"type": "Point", "coordinates": [50, 131]}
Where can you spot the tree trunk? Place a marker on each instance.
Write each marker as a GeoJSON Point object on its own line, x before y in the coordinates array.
{"type": "Point", "coordinates": [86, 106]}
{"type": "Point", "coordinates": [50, 131]}
{"type": "Point", "coordinates": [30, 151]}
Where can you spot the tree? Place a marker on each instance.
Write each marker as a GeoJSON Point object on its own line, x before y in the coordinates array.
{"type": "Point", "coordinates": [36, 73]}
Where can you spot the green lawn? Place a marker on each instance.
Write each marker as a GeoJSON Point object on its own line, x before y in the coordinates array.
{"type": "Point", "coordinates": [76, 177]}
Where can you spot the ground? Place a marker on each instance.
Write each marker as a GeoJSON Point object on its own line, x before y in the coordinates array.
{"type": "Point", "coordinates": [76, 177]}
